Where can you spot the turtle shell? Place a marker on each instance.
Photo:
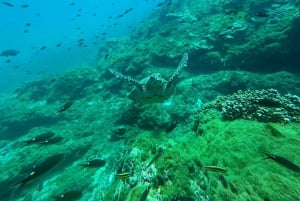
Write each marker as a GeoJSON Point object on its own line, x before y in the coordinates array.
{"type": "Point", "coordinates": [151, 89]}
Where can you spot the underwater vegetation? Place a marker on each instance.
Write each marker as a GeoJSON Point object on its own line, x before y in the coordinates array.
{"type": "Point", "coordinates": [208, 109]}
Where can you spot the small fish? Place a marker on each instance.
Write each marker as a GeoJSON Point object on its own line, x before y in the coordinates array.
{"type": "Point", "coordinates": [160, 152]}
{"type": "Point", "coordinates": [8, 61]}
{"type": "Point", "coordinates": [284, 162]}
{"type": "Point", "coordinates": [68, 196]}
{"type": "Point", "coordinates": [9, 53]}
{"type": "Point", "coordinates": [25, 31]}
{"type": "Point", "coordinates": [39, 138]}
{"type": "Point", "coordinates": [103, 33]}
{"type": "Point", "coordinates": [43, 48]}
{"type": "Point", "coordinates": [24, 6]}
{"type": "Point", "coordinates": [161, 3]}
{"type": "Point", "coordinates": [72, 4]}
{"type": "Point", "coordinates": [106, 55]}
{"type": "Point", "coordinates": [27, 24]}
{"type": "Point", "coordinates": [145, 193]}
{"type": "Point", "coordinates": [7, 4]}
{"type": "Point", "coordinates": [214, 168]}
{"type": "Point", "coordinates": [223, 181]}
{"type": "Point", "coordinates": [58, 45]}
{"type": "Point", "coordinates": [119, 16]}
{"type": "Point", "coordinates": [66, 106]}
{"type": "Point", "coordinates": [124, 175]}
{"type": "Point", "coordinates": [40, 169]}
{"type": "Point", "coordinates": [127, 11]}
{"type": "Point", "coordinates": [95, 163]}
{"type": "Point", "coordinates": [171, 127]}
{"type": "Point", "coordinates": [262, 14]}
{"type": "Point", "coordinates": [52, 140]}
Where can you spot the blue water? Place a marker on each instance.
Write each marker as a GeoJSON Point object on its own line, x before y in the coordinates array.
{"type": "Point", "coordinates": [48, 23]}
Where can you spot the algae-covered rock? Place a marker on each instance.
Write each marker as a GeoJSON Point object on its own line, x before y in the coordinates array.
{"type": "Point", "coordinates": [71, 85]}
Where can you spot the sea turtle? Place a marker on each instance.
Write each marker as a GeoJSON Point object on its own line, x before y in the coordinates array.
{"type": "Point", "coordinates": [153, 88]}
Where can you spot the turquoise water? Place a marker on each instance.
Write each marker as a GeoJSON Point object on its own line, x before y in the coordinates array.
{"type": "Point", "coordinates": [28, 29]}
{"type": "Point", "coordinates": [174, 100]}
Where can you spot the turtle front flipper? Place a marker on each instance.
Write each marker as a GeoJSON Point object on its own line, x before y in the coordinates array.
{"type": "Point", "coordinates": [182, 65]}
{"type": "Point", "coordinates": [124, 77]}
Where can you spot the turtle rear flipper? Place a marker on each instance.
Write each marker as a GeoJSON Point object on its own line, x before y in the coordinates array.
{"type": "Point", "coordinates": [182, 65]}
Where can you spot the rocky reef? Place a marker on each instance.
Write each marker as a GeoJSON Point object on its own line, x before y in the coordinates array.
{"type": "Point", "coordinates": [225, 113]}
{"type": "Point", "coordinates": [218, 35]}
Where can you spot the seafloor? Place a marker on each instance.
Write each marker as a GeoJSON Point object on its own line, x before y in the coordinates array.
{"type": "Point", "coordinates": [236, 107]}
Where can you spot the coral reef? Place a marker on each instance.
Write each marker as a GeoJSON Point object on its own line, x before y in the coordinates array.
{"type": "Point", "coordinates": [261, 105]}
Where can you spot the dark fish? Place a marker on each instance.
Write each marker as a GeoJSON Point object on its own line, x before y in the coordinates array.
{"type": "Point", "coordinates": [68, 196]}
{"type": "Point", "coordinates": [52, 140]}
{"type": "Point", "coordinates": [58, 45]}
{"type": "Point", "coordinates": [223, 181]}
{"type": "Point", "coordinates": [214, 168]}
{"type": "Point", "coordinates": [161, 4]}
{"type": "Point", "coordinates": [40, 169]}
{"type": "Point", "coordinates": [66, 106]}
{"type": "Point", "coordinates": [145, 193]}
{"type": "Point", "coordinates": [262, 14]}
{"type": "Point", "coordinates": [8, 61]}
{"type": "Point", "coordinates": [72, 4]}
{"type": "Point", "coordinates": [284, 162]}
{"type": "Point", "coordinates": [160, 152]}
{"type": "Point", "coordinates": [7, 4]}
{"type": "Point", "coordinates": [106, 55]}
{"type": "Point", "coordinates": [25, 31]}
{"type": "Point", "coordinates": [119, 16]}
{"type": "Point", "coordinates": [171, 127]}
{"type": "Point", "coordinates": [103, 33]}
{"type": "Point", "coordinates": [43, 48]}
{"type": "Point", "coordinates": [9, 52]}
{"type": "Point", "coordinates": [127, 11]}
{"type": "Point", "coordinates": [39, 138]}
{"type": "Point", "coordinates": [25, 6]}
{"type": "Point", "coordinates": [95, 163]}
{"type": "Point", "coordinates": [27, 24]}
{"type": "Point", "coordinates": [80, 40]}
